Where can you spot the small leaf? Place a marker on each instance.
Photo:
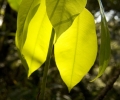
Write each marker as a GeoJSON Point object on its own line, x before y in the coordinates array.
{"type": "Point", "coordinates": [26, 11]}
{"type": "Point", "coordinates": [76, 49]}
{"type": "Point", "coordinates": [105, 50]}
{"type": "Point", "coordinates": [14, 4]}
{"type": "Point", "coordinates": [63, 12]}
{"type": "Point", "coordinates": [37, 41]}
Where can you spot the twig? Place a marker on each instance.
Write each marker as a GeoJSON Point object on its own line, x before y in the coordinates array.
{"type": "Point", "coordinates": [109, 84]}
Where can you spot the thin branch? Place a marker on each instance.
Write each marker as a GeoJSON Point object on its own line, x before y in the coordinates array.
{"type": "Point", "coordinates": [109, 84]}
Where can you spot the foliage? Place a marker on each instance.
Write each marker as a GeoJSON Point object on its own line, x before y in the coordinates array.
{"type": "Point", "coordinates": [75, 47]}
{"type": "Point", "coordinates": [61, 16]}
{"type": "Point", "coordinates": [104, 55]}
{"type": "Point", "coordinates": [63, 12]}
{"type": "Point", "coordinates": [16, 85]}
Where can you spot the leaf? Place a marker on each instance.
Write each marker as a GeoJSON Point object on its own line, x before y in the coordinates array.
{"type": "Point", "coordinates": [14, 4]}
{"type": "Point", "coordinates": [37, 41]}
{"type": "Point", "coordinates": [105, 50]}
{"type": "Point", "coordinates": [63, 12]}
{"type": "Point", "coordinates": [26, 11]}
{"type": "Point", "coordinates": [76, 49]}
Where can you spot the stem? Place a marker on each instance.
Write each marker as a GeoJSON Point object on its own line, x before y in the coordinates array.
{"type": "Point", "coordinates": [101, 7]}
{"type": "Point", "coordinates": [47, 64]}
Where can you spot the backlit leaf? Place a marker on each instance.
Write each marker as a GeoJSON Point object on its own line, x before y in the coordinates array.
{"type": "Point", "coordinates": [63, 12]}
{"type": "Point", "coordinates": [37, 41]}
{"type": "Point", "coordinates": [76, 49]}
{"type": "Point", "coordinates": [26, 12]}
{"type": "Point", "coordinates": [105, 50]}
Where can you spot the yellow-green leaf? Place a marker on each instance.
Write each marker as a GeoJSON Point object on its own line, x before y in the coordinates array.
{"type": "Point", "coordinates": [105, 50]}
{"type": "Point", "coordinates": [63, 12]}
{"type": "Point", "coordinates": [14, 4]}
{"type": "Point", "coordinates": [26, 12]}
{"type": "Point", "coordinates": [76, 49]}
{"type": "Point", "coordinates": [37, 41]}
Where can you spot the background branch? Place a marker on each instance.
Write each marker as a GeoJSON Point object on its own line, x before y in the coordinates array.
{"type": "Point", "coordinates": [109, 84]}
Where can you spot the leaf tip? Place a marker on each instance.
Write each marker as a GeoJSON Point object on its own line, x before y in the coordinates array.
{"type": "Point", "coordinates": [29, 73]}
{"type": "Point", "coordinates": [95, 78]}
{"type": "Point", "coordinates": [69, 89]}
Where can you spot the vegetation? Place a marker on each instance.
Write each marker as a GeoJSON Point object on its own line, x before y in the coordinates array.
{"type": "Point", "coordinates": [13, 76]}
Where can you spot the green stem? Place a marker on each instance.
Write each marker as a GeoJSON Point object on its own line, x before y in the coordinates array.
{"type": "Point", "coordinates": [101, 8]}
{"type": "Point", "coordinates": [47, 64]}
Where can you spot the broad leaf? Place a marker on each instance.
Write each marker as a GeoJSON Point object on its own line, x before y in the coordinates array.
{"type": "Point", "coordinates": [14, 4]}
{"type": "Point", "coordinates": [105, 50]}
{"type": "Point", "coordinates": [26, 12]}
{"type": "Point", "coordinates": [63, 12]}
{"type": "Point", "coordinates": [76, 49]}
{"type": "Point", "coordinates": [37, 41]}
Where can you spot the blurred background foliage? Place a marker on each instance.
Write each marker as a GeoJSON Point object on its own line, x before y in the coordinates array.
{"type": "Point", "coordinates": [14, 84]}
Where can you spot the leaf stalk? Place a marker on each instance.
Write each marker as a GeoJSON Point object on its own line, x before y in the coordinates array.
{"type": "Point", "coordinates": [47, 64]}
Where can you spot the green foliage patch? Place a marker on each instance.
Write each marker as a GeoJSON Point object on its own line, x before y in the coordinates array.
{"type": "Point", "coordinates": [75, 37]}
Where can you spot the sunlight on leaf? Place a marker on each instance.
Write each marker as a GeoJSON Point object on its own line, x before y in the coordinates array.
{"type": "Point", "coordinates": [26, 12]}
{"type": "Point", "coordinates": [76, 49]}
{"type": "Point", "coordinates": [63, 12]}
{"type": "Point", "coordinates": [37, 41]}
{"type": "Point", "coordinates": [14, 4]}
{"type": "Point", "coordinates": [105, 50]}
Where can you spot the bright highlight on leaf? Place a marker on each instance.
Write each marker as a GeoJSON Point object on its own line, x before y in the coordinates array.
{"type": "Point", "coordinates": [76, 49]}
{"type": "Point", "coordinates": [105, 50]}
{"type": "Point", "coordinates": [63, 12]}
{"type": "Point", "coordinates": [37, 41]}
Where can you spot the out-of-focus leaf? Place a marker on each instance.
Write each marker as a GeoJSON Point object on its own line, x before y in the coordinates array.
{"type": "Point", "coordinates": [37, 41]}
{"type": "Point", "coordinates": [26, 12]}
{"type": "Point", "coordinates": [105, 49]}
{"type": "Point", "coordinates": [76, 49]}
{"type": "Point", "coordinates": [63, 12]}
{"type": "Point", "coordinates": [14, 4]}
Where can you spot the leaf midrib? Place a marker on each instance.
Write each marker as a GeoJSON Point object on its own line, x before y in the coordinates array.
{"type": "Point", "coordinates": [73, 67]}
